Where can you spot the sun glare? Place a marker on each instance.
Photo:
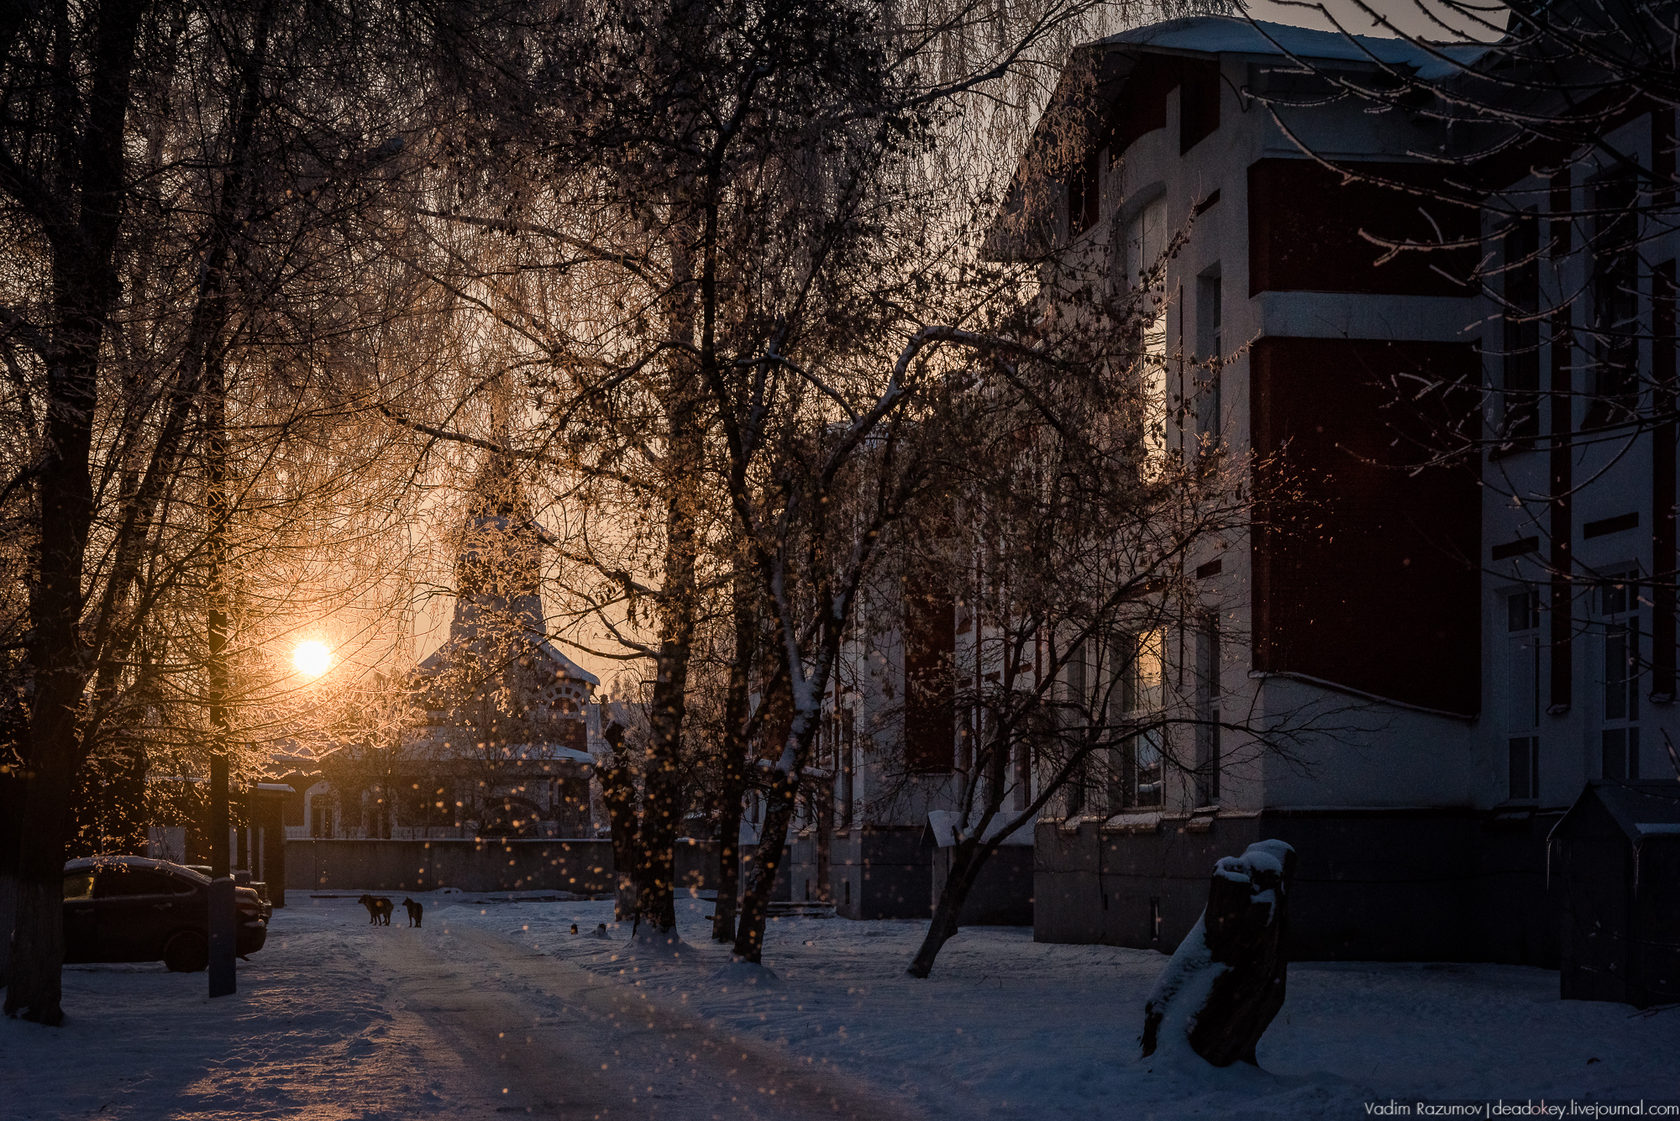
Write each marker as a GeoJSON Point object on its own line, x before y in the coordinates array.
{"type": "Point", "coordinates": [312, 658]}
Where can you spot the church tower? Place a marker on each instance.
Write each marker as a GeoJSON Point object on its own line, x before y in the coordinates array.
{"type": "Point", "coordinates": [498, 700]}
{"type": "Point", "coordinates": [498, 559]}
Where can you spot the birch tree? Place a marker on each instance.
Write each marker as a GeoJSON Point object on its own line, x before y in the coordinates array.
{"type": "Point", "coordinates": [704, 191]}
{"type": "Point", "coordinates": [170, 192]}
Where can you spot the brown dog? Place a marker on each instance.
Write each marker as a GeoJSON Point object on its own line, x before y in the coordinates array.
{"type": "Point", "coordinates": [379, 909]}
{"type": "Point", "coordinates": [415, 910]}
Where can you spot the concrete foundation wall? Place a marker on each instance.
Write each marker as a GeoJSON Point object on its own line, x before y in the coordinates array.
{"type": "Point", "coordinates": [1002, 894]}
{"type": "Point", "coordinates": [882, 872]}
{"type": "Point", "coordinates": [800, 878]}
{"type": "Point", "coordinates": [1432, 886]}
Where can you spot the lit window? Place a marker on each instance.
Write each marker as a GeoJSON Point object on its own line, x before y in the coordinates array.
{"type": "Point", "coordinates": [1142, 257]}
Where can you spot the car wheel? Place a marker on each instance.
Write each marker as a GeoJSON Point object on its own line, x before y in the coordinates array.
{"type": "Point", "coordinates": [187, 952]}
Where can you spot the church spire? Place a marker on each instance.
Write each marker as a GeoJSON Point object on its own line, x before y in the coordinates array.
{"type": "Point", "coordinates": [498, 565]}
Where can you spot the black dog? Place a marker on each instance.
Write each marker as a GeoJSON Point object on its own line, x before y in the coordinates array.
{"type": "Point", "coordinates": [414, 911]}
{"type": "Point", "coordinates": [379, 909]}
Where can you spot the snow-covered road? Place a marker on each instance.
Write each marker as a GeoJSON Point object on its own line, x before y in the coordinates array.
{"type": "Point", "coordinates": [557, 1041]}
{"type": "Point", "coordinates": [336, 1020]}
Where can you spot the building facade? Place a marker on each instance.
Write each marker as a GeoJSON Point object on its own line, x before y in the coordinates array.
{"type": "Point", "coordinates": [1457, 592]}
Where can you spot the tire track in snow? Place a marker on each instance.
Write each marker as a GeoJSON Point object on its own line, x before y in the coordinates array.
{"type": "Point", "coordinates": [548, 1039]}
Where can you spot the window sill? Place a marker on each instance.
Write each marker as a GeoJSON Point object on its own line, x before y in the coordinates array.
{"type": "Point", "coordinates": [1513, 812]}
{"type": "Point", "coordinates": [1133, 821]}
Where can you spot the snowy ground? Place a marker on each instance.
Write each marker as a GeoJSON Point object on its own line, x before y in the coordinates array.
{"type": "Point", "coordinates": [496, 1008]}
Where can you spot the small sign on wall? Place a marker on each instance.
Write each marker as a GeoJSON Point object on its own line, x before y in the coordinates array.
{"type": "Point", "coordinates": [167, 842]}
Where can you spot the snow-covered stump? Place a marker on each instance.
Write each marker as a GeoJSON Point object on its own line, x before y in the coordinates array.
{"type": "Point", "coordinates": [1225, 981]}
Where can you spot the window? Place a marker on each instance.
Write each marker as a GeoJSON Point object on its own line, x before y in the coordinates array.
{"type": "Point", "coordinates": [78, 885]}
{"type": "Point", "coordinates": [1079, 713]}
{"type": "Point", "coordinates": [1143, 248]}
{"type": "Point", "coordinates": [1077, 781]}
{"type": "Point", "coordinates": [845, 775]}
{"type": "Point", "coordinates": [1207, 711]}
{"type": "Point", "coordinates": [1519, 397]}
{"type": "Point", "coordinates": [1522, 693]}
{"type": "Point", "coordinates": [1136, 763]}
{"type": "Point", "coordinates": [1210, 350]}
{"type": "Point", "coordinates": [1145, 241]}
{"type": "Point", "coordinates": [1614, 368]}
{"type": "Point", "coordinates": [1085, 194]}
{"type": "Point", "coordinates": [1619, 709]}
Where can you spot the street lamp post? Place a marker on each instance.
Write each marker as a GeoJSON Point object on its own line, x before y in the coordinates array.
{"type": "Point", "coordinates": [223, 973]}
{"type": "Point", "coordinates": [224, 979]}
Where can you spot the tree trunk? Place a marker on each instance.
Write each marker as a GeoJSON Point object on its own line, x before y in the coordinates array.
{"type": "Point", "coordinates": [11, 818]}
{"type": "Point", "coordinates": [38, 929]}
{"type": "Point", "coordinates": [1226, 981]}
{"type": "Point", "coordinates": [967, 858]}
{"type": "Point", "coordinates": [729, 860]}
{"type": "Point", "coordinates": [55, 750]}
{"type": "Point", "coordinates": [662, 793]}
{"type": "Point", "coordinates": [755, 901]}
{"type": "Point", "coordinates": [662, 790]}
{"type": "Point", "coordinates": [662, 802]}
{"type": "Point", "coordinates": [85, 287]}
{"type": "Point", "coordinates": [618, 791]}
{"type": "Point", "coordinates": [734, 778]}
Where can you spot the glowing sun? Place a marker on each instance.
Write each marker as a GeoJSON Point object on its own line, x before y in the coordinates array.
{"type": "Point", "coordinates": [312, 658]}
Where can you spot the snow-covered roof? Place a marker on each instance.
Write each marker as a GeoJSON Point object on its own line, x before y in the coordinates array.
{"type": "Point", "coordinates": [571, 668]}
{"type": "Point", "coordinates": [470, 634]}
{"type": "Point", "coordinates": [1638, 809]}
{"type": "Point", "coordinates": [532, 752]}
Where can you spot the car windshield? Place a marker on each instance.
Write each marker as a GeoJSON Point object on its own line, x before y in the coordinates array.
{"type": "Point", "coordinates": [78, 885]}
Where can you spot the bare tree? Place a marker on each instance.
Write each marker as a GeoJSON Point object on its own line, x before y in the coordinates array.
{"type": "Point", "coordinates": [167, 223]}
{"type": "Point", "coordinates": [698, 209]}
{"type": "Point", "coordinates": [1064, 536]}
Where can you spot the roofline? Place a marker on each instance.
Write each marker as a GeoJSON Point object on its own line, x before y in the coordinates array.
{"type": "Point", "coordinates": [1070, 114]}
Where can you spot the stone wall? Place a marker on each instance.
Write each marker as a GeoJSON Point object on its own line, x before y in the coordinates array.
{"type": "Point", "coordinates": [1002, 894]}
{"type": "Point", "coordinates": [1447, 885]}
{"type": "Point", "coordinates": [882, 873]}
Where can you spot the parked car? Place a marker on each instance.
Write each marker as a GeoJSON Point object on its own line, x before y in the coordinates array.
{"type": "Point", "coordinates": [134, 908]}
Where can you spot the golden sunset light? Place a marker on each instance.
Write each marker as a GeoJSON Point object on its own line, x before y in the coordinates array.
{"type": "Point", "coordinates": [312, 658]}
{"type": "Point", "coordinates": [1008, 559]}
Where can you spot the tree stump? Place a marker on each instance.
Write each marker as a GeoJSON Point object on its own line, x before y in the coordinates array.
{"type": "Point", "coordinates": [1225, 981]}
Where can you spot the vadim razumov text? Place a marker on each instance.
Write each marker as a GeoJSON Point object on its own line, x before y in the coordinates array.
{"type": "Point", "coordinates": [1530, 1107]}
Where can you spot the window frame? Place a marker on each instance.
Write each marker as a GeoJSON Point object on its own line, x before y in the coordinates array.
{"type": "Point", "coordinates": [1617, 609]}
{"type": "Point", "coordinates": [1520, 399]}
